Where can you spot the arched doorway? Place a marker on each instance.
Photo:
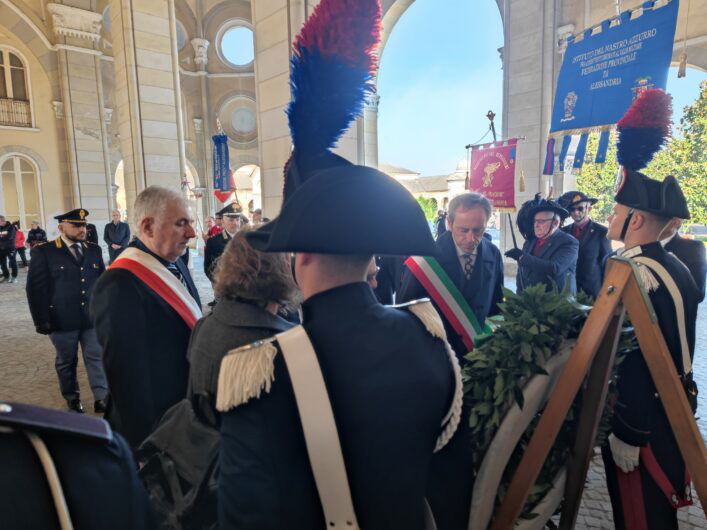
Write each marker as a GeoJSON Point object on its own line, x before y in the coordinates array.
{"type": "Point", "coordinates": [20, 197]}
{"type": "Point", "coordinates": [438, 78]}
{"type": "Point", "coordinates": [247, 180]}
{"type": "Point", "coordinates": [120, 199]}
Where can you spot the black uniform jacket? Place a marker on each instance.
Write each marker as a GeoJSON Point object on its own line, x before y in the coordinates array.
{"type": "Point", "coordinates": [594, 247]}
{"type": "Point", "coordinates": [390, 277]}
{"type": "Point", "coordinates": [59, 287]}
{"type": "Point", "coordinates": [144, 345]}
{"type": "Point", "coordinates": [483, 292]}
{"type": "Point", "coordinates": [215, 246]}
{"type": "Point", "coordinates": [692, 253]}
{"type": "Point", "coordinates": [556, 264]}
{"type": "Point", "coordinates": [36, 236]}
{"type": "Point", "coordinates": [95, 467]}
{"type": "Point", "coordinates": [117, 234]}
{"type": "Point", "coordinates": [639, 418]}
{"type": "Point", "coordinates": [390, 384]}
{"type": "Point", "coordinates": [7, 236]}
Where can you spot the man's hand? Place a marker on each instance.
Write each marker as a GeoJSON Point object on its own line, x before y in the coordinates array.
{"type": "Point", "coordinates": [625, 456]}
{"type": "Point", "coordinates": [514, 253]}
{"type": "Point", "coordinates": [44, 329]}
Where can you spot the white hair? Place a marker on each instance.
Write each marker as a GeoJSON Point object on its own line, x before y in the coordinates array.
{"type": "Point", "coordinates": [153, 201]}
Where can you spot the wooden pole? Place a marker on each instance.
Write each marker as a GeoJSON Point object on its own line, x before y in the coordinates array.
{"type": "Point", "coordinates": [670, 389]}
{"type": "Point", "coordinates": [579, 363]}
{"type": "Point", "coordinates": [589, 418]}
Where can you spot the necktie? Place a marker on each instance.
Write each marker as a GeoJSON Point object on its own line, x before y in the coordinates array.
{"type": "Point", "coordinates": [172, 267]}
{"type": "Point", "coordinates": [468, 266]}
{"type": "Point", "coordinates": [77, 252]}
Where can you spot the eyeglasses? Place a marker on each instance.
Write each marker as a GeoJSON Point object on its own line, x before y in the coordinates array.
{"type": "Point", "coordinates": [543, 221]}
{"type": "Point", "coordinates": [578, 209]}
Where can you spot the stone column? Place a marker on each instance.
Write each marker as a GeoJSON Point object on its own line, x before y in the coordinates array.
{"type": "Point", "coordinates": [276, 23]}
{"type": "Point", "coordinates": [146, 94]}
{"type": "Point", "coordinates": [370, 131]}
{"type": "Point", "coordinates": [76, 31]}
{"type": "Point", "coordinates": [201, 59]}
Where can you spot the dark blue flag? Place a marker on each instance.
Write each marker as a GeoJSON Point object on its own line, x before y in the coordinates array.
{"type": "Point", "coordinates": [222, 181]}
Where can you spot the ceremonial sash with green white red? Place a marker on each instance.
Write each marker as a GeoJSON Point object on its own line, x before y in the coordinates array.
{"type": "Point", "coordinates": [445, 294]}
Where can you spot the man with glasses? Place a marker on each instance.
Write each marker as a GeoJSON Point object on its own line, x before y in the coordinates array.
{"type": "Point", "coordinates": [550, 256]}
{"type": "Point", "coordinates": [594, 247]}
{"type": "Point", "coordinates": [60, 285]}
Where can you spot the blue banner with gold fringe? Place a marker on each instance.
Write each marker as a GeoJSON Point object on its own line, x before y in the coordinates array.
{"type": "Point", "coordinates": [605, 68]}
{"type": "Point", "coordinates": [222, 181]}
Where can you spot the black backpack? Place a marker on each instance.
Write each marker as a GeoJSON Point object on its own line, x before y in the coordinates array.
{"type": "Point", "coordinates": [180, 466]}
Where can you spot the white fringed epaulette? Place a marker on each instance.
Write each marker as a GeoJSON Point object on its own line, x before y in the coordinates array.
{"type": "Point", "coordinates": [245, 373]}
{"type": "Point", "coordinates": [426, 312]}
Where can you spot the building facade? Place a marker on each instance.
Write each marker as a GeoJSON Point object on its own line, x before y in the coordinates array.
{"type": "Point", "coordinates": [101, 98]}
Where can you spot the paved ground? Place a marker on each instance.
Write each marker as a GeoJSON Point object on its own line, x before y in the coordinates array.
{"type": "Point", "coordinates": [27, 374]}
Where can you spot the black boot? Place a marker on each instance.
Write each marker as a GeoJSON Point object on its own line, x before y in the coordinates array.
{"type": "Point", "coordinates": [75, 405]}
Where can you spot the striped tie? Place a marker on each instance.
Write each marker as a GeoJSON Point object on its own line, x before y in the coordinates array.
{"type": "Point", "coordinates": [172, 267]}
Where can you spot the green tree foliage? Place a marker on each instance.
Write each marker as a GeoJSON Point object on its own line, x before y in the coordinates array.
{"type": "Point", "coordinates": [429, 206]}
{"type": "Point", "coordinates": [685, 157]}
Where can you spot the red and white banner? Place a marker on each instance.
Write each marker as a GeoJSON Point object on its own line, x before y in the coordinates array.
{"type": "Point", "coordinates": [492, 172]}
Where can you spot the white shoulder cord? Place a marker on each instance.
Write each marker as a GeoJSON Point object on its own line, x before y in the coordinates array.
{"type": "Point", "coordinates": [62, 510]}
{"type": "Point", "coordinates": [679, 306]}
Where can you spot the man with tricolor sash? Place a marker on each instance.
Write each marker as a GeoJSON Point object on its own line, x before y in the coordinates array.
{"type": "Point", "coordinates": [144, 309]}
{"type": "Point", "coordinates": [465, 279]}
{"type": "Point", "coordinates": [464, 282]}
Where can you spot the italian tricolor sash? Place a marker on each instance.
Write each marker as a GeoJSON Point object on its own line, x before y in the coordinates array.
{"type": "Point", "coordinates": [450, 301]}
{"type": "Point", "coordinates": [156, 276]}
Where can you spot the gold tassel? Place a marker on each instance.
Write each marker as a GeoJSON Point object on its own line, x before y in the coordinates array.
{"type": "Point", "coordinates": [521, 182]}
{"type": "Point", "coordinates": [245, 372]}
{"type": "Point", "coordinates": [682, 69]}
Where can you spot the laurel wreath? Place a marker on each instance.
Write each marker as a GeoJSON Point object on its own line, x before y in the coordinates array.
{"type": "Point", "coordinates": [532, 327]}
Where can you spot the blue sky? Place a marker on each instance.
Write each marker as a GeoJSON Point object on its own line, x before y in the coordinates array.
{"type": "Point", "coordinates": [440, 73]}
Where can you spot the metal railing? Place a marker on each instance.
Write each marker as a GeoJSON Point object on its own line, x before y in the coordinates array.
{"type": "Point", "coordinates": [15, 112]}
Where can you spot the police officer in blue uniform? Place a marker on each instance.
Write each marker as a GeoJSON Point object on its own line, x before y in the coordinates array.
{"type": "Point", "coordinates": [97, 476]}
{"type": "Point", "coordinates": [549, 255]}
{"type": "Point", "coordinates": [232, 221]}
{"type": "Point", "coordinates": [594, 247]}
{"type": "Point", "coordinates": [59, 286]}
{"type": "Point", "coordinates": [692, 253]}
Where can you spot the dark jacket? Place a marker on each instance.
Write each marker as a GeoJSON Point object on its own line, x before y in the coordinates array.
{"type": "Point", "coordinates": [91, 233]}
{"type": "Point", "coordinates": [116, 234]}
{"type": "Point", "coordinates": [230, 325]}
{"type": "Point", "coordinates": [483, 292]}
{"type": "Point", "coordinates": [639, 418]}
{"type": "Point", "coordinates": [36, 236]}
{"type": "Point", "coordinates": [7, 236]}
{"type": "Point", "coordinates": [390, 384]}
{"type": "Point", "coordinates": [557, 261]}
{"type": "Point", "coordinates": [98, 475]}
{"type": "Point", "coordinates": [59, 288]}
{"type": "Point", "coordinates": [212, 252]}
{"type": "Point", "coordinates": [390, 277]}
{"type": "Point", "coordinates": [594, 247]}
{"type": "Point", "coordinates": [144, 345]}
{"type": "Point", "coordinates": [692, 253]}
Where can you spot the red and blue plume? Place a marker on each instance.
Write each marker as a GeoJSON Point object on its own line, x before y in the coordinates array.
{"type": "Point", "coordinates": [644, 129]}
{"type": "Point", "coordinates": [332, 71]}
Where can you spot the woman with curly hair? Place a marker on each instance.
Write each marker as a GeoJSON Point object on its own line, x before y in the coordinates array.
{"type": "Point", "coordinates": [251, 288]}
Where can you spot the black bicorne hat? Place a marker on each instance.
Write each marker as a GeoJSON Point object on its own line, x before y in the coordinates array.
{"type": "Point", "coordinates": [570, 198]}
{"type": "Point", "coordinates": [526, 214]}
{"type": "Point", "coordinates": [653, 196]}
{"type": "Point", "coordinates": [77, 216]}
{"type": "Point", "coordinates": [348, 209]}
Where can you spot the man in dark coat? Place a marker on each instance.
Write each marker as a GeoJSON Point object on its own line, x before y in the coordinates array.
{"type": "Point", "coordinates": [594, 247]}
{"type": "Point", "coordinates": [232, 220]}
{"type": "Point", "coordinates": [36, 235]}
{"type": "Point", "coordinates": [474, 264]}
{"type": "Point", "coordinates": [364, 349]}
{"type": "Point", "coordinates": [389, 278]}
{"type": "Point", "coordinates": [692, 253]}
{"type": "Point", "coordinates": [550, 256]}
{"type": "Point", "coordinates": [7, 251]}
{"type": "Point", "coordinates": [116, 235]}
{"type": "Point", "coordinates": [440, 223]}
{"type": "Point", "coordinates": [144, 325]}
{"type": "Point", "coordinates": [94, 465]}
{"type": "Point", "coordinates": [60, 285]}
{"type": "Point", "coordinates": [642, 449]}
